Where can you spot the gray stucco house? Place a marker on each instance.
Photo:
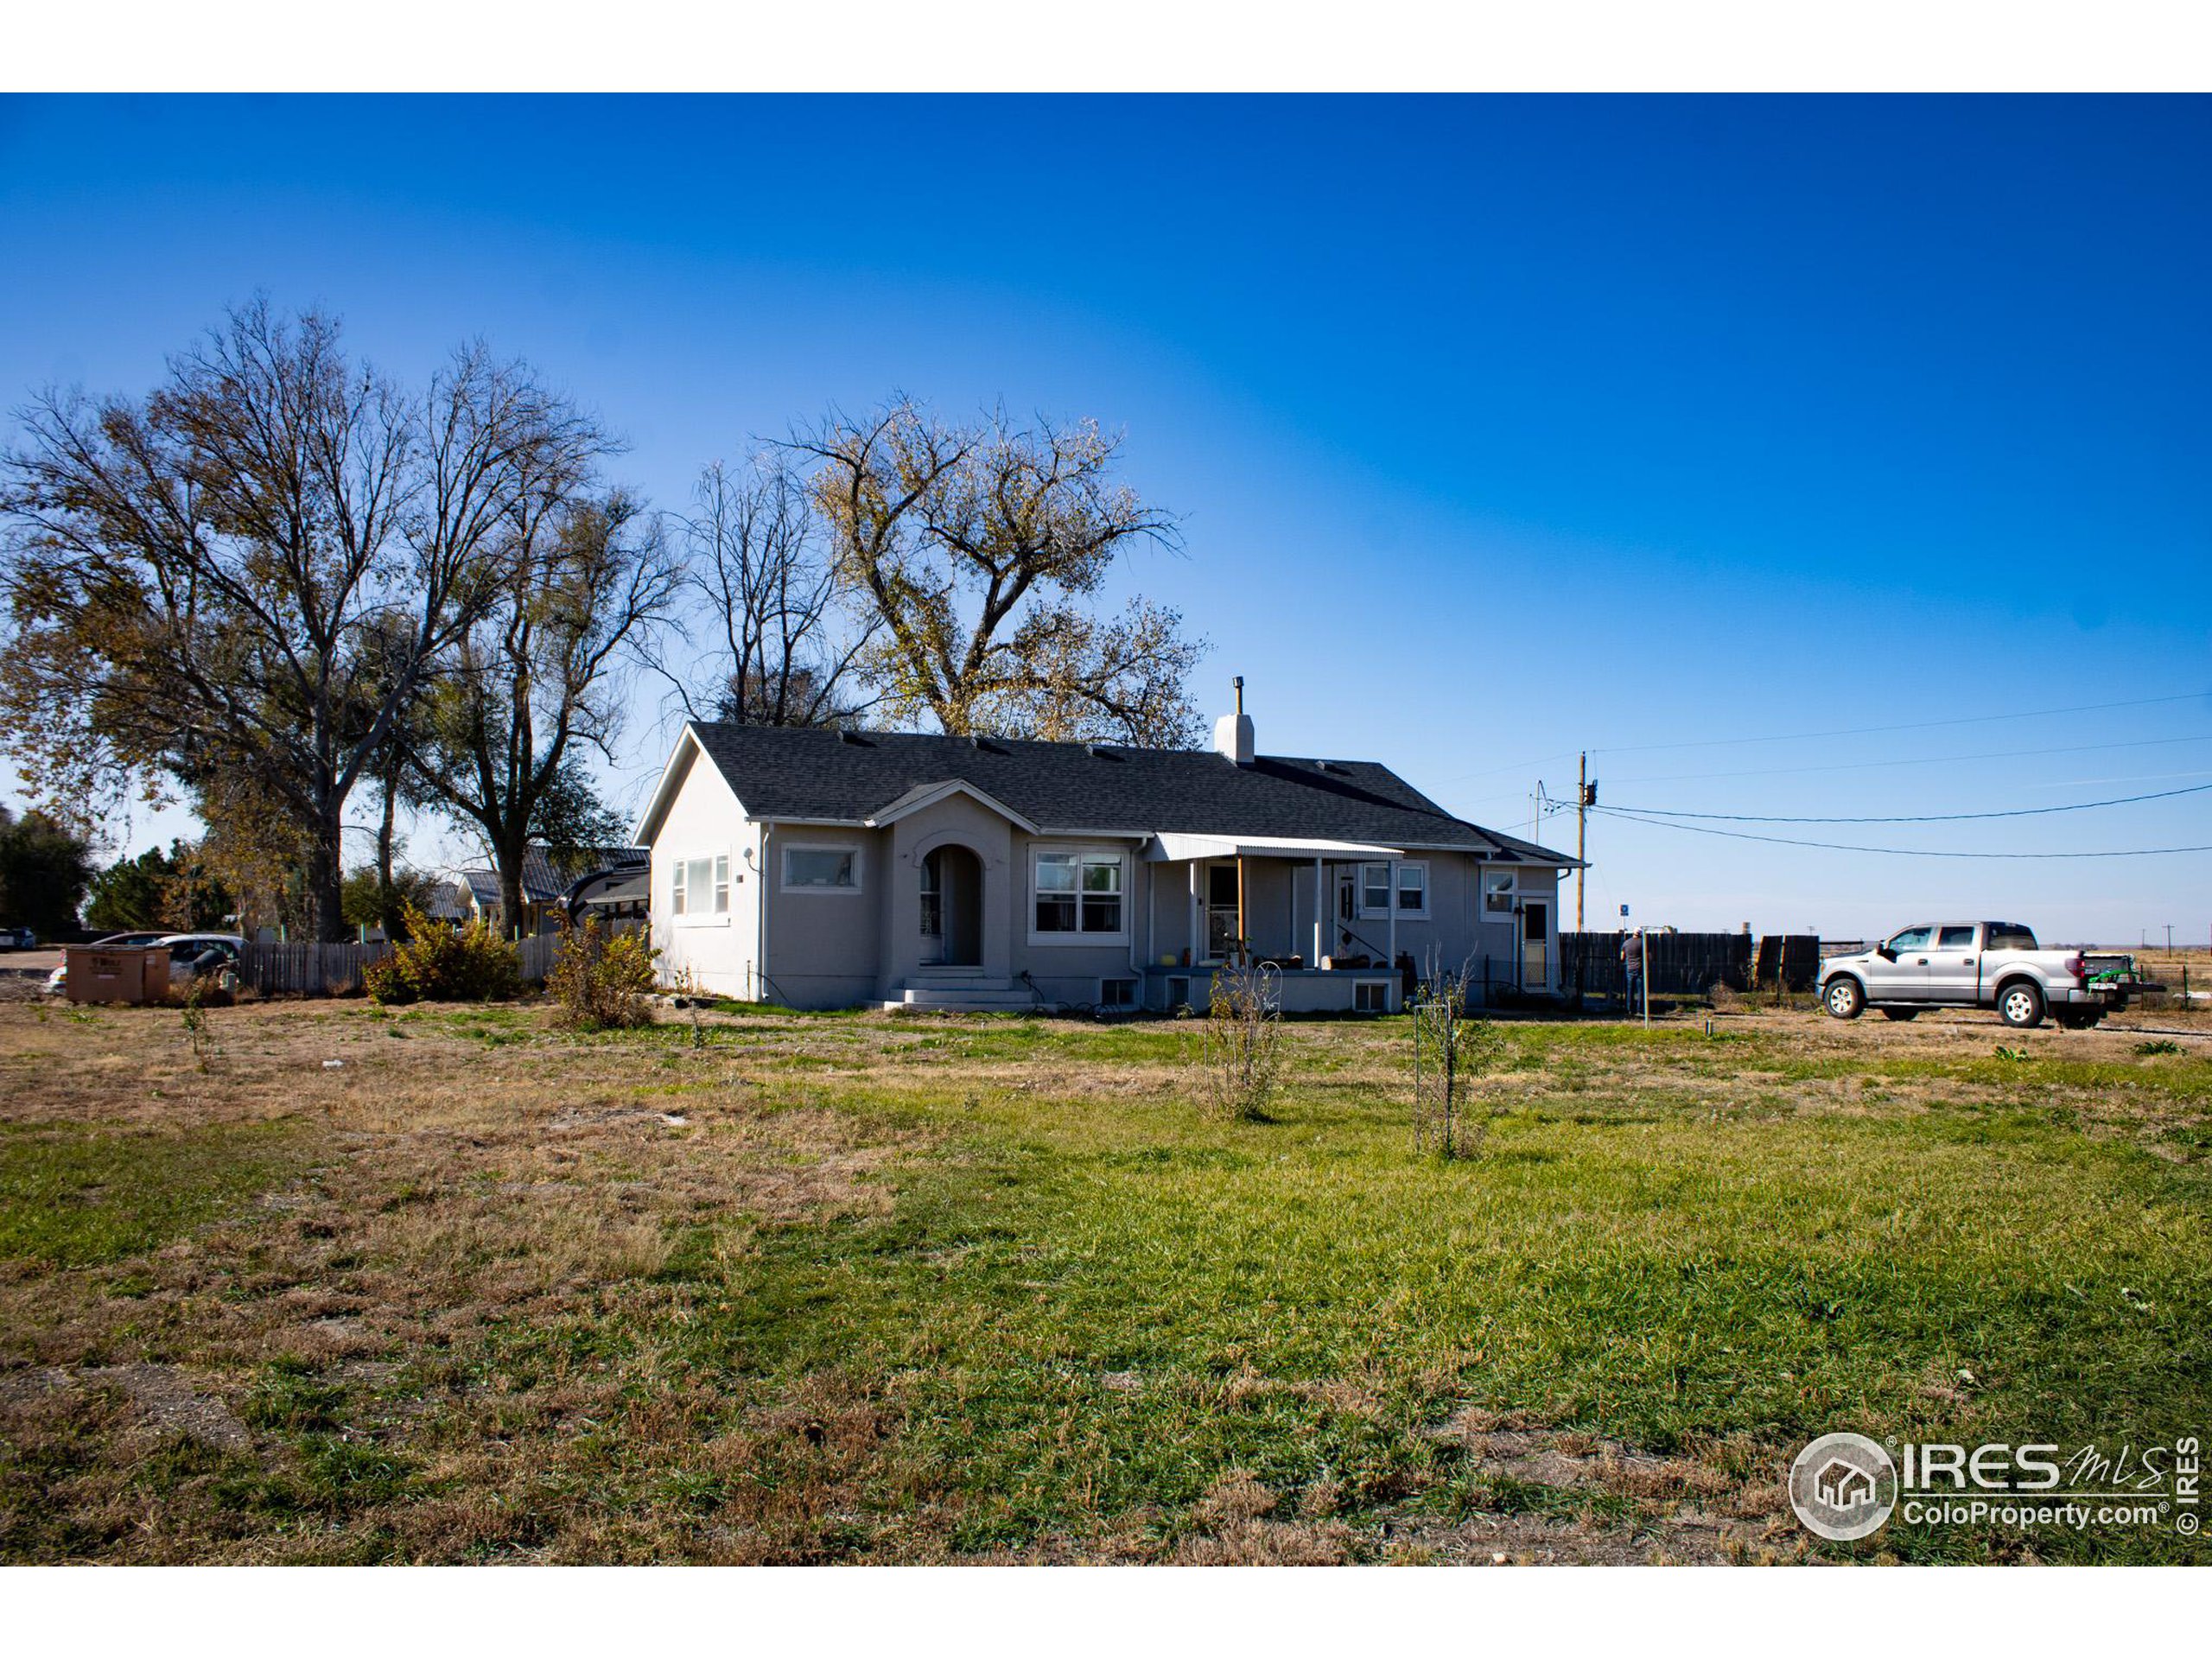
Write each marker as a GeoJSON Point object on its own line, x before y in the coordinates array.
{"type": "Point", "coordinates": [825, 869]}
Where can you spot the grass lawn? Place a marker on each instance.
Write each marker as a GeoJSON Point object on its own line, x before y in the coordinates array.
{"type": "Point", "coordinates": [861, 1288]}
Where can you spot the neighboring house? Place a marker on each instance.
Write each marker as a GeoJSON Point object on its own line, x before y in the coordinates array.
{"type": "Point", "coordinates": [605, 879]}
{"type": "Point", "coordinates": [831, 869]}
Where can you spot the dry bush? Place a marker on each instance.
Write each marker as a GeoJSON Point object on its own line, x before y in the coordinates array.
{"type": "Point", "coordinates": [436, 963]}
{"type": "Point", "coordinates": [1240, 1052]}
{"type": "Point", "coordinates": [599, 984]}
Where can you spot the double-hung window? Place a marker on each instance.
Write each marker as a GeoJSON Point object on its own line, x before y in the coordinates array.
{"type": "Point", "coordinates": [1498, 892]}
{"type": "Point", "coordinates": [1411, 892]}
{"type": "Point", "coordinates": [701, 887]}
{"type": "Point", "coordinates": [1078, 896]}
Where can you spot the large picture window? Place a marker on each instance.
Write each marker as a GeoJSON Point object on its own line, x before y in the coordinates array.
{"type": "Point", "coordinates": [1078, 896]}
{"type": "Point", "coordinates": [822, 869]}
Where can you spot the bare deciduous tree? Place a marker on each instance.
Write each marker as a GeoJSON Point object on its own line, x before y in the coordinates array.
{"type": "Point", "coordinates": [979, 550]}
{"type": "Point", "coordinates": [784, 636]}
{"type": "Point", "coordinates": [237, 582]}
{"type": "Point", "coordinates": [538, 678]}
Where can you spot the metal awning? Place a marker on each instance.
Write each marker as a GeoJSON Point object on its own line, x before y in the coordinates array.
{"type": "Point", "coordinates": [1165, 849]}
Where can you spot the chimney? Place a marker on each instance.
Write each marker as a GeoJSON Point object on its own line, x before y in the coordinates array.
{"type": "Point", "coordinates": [1232, 734]}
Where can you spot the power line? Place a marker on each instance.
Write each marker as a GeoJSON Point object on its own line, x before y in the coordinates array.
{"type": "Point", "coordinates": [1919, 761]}
{"type": "Point", "coordinates": [1910, 726]}
{"type": "Point", "coordinates": [1893, 852]}
{"type": "Point", "coordinates": [1921, 817]}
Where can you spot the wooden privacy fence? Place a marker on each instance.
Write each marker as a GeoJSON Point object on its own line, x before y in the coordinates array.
{"type": "Point", "coordinates": [312, 970]}
{"type": "Point", "coordinates": [1678, 964]}
{"type": "Point", "coordinates": [306, 968]}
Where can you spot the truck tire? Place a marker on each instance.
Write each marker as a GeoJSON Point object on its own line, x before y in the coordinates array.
{"type": "Point", "coordinates": [1900, 1014]}
{"type": "Point", "coordinates": [2019, 1004]}
{"type": "Point", "coordinates": [1843, 997]}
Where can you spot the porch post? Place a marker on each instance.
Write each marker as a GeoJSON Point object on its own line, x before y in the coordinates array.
{"type": "Point", "coordinates": [1197, 947]}
{"type": "Point", "coordinates": [1317, 913]}
{"type": "Point", "coordinates": [1393, 914]}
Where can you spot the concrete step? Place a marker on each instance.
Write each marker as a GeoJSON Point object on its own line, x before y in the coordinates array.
{"type": "Point", "coordinates": [987, 996]}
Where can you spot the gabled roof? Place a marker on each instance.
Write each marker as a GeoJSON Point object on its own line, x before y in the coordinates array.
{"type": "Point", "coordinates": [827, 776]}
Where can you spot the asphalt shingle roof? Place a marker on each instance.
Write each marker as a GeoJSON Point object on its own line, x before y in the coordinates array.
{"type": "Point", "coordinates": [779, 772]}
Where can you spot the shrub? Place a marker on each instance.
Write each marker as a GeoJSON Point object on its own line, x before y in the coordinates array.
{"type": "Point", "coordinates": [1241, 1052]}
{"type": "Point", "coordinates": [601, 984]}
{"type": "Point", "coordinates": [437, 964]}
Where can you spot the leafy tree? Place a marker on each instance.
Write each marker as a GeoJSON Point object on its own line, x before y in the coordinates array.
{"type": "Point", "coordinates": [979, 550]}
{"type": "Point", "coordinates": [44, 872]}
{"type": "Point", "coordinates": [373, 893]}
{"type": "Point", "coordinates": [172, 889]}
{"type": "Point", "coordinates": [537, 681]}
{"type": "Point", "coordinates": [236, 584]}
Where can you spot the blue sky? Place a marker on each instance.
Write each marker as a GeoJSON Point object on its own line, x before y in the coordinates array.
{"type": "Point", "coordinates": [1674, 429]}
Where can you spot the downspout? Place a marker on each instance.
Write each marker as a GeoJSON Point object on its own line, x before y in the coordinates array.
{"type": "Point", "coordinates": [761, 932]}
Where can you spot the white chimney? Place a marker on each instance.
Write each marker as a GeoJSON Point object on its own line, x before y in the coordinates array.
{"type": "Point", "coordinates": [1232, 734]}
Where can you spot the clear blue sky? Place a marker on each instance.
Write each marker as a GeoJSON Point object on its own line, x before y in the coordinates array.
{"type": "Point", "coordinates": [1500, 427]}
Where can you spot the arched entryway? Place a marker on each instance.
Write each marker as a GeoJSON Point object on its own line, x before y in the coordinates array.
{"type": "Point", "coordinates": [953, 908]}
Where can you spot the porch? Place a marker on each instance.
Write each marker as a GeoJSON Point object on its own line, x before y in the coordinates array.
{"type": "Point", "coordinates": [1295, 904]}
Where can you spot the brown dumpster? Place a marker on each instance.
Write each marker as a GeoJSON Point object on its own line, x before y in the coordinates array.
{"type": "Point", "coordinates": [104, 974]}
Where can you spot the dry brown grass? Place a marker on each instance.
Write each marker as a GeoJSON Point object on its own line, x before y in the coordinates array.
{"type": "Point", "coordinates": [444, 1196]}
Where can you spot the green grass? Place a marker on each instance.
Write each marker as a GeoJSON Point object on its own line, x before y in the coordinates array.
{"type": "Point", "coordinates": [1628, 1268]}
{"type": "Point", "coordinates": [73, 1196]}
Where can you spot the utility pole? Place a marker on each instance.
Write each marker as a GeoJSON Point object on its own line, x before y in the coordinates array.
{"type": "Point", "coordinates": [1586, 797]}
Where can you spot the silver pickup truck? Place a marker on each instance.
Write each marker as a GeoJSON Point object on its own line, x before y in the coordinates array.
{"type": "Point", "coordinates": [1972, 965]}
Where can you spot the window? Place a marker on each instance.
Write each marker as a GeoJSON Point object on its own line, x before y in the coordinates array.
{"type": "Point", "coordinates": [822, 869]}
{"type": "Point", "coordinates": [1117, 993]}
{"type": "Point", "coordinates": [1913, 938]}
{"type": "Point", "coordinates": [1078, 896]}
{"type": "Point", "coordinates": [1955, 939]}
{"type": "Point", "coordinates": [1498, 892]}
{"type": "Point", "coordinates": [701, 887]}
{"type": "Point", "coordinates": [1375, 889]}
{"type": "Point", "coordinates": [2010, 936]}
{"type": "Point", "coordinates": [1370, 996]}
{"type": "Point", "coordinates": [1413, 889]}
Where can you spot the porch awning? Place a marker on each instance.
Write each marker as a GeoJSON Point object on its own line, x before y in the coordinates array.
{"type": "Point", "coordinates": [1164, 848]}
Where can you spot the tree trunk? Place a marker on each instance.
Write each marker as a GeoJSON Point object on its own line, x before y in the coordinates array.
{"type": "Point", "coordinates": [326, 877]}
{"type": "Point", "coordinates": [510, 861]}
{"type": "Point", "coordinates": [387, 893]}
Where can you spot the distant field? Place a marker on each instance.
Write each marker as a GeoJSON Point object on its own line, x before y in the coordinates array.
{"type": "Point", "coordinates": [836, 1288]}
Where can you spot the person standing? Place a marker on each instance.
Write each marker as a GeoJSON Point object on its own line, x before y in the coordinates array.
{"type": "Point", "coordinates": [1632, 968]}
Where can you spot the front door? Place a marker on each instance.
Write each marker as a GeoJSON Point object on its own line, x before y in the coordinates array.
{"type": "Point", "coordinates": [1221, 911]}
{"type": "Point", "coordinates": [952, 894]}
{"type": "Point", "coordinates": [1535, 945]}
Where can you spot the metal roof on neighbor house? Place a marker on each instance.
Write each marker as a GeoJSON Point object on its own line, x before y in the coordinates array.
{"type": "Point", "coordinates": [545, 878]}
{"type": "Point", "coordinates": [848, 778]}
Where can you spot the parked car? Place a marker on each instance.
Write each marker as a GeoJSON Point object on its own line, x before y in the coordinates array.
{"type": "Point", "coordinates": [17, 938]}
{"type": "Point", "coordinates": [186, 949]}
{"type": "Point", "coordinates": [1971, 965]}
{"type": "Point", "coordinates": [201, 953]}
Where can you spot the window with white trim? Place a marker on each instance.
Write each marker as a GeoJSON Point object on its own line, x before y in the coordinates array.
{"type": "Point", "coordinates": [1412, 890]}
{"type": "Point", "coordinates": [1498, 892]}
{"type": "Point", "coordinates": [700, 887]}
{"type": "Point", "coordinates": [1078, 895]}
{"type": "Point", "coordinates": [822, 869]}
